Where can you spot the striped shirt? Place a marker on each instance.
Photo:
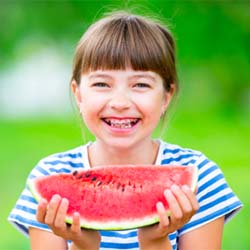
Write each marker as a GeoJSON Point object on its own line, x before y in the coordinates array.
{"type": "Point", "coordinates": [215, 197]}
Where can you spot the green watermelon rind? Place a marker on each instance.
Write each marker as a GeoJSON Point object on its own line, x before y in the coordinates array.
{"type": "Point", "coordinates": [193, 186]}
{"type": "Point", "coordinates": [123, 225]}
{"type": "Point", "coordinates": [32, 188]}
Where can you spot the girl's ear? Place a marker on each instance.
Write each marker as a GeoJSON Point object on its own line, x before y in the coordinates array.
{"type": "Point", "coordinates": [76, 91]}
{"type": "Point", "coordinates": [167, 98]}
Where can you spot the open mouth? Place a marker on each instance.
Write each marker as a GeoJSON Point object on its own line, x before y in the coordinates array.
{"type": "Point", "coordinates": [121, 123]}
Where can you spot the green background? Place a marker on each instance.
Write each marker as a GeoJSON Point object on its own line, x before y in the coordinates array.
{"type": "Point", "coordinates": [211, 113]}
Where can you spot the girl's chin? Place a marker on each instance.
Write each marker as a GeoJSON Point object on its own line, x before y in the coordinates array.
{"type": "Point", "coordinates": [120, 144]}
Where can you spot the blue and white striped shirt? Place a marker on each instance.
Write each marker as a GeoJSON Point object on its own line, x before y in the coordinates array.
{"type": "Point", "coordinates": [215, 197]}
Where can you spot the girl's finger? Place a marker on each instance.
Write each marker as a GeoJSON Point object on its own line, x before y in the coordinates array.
{"type": "Point", "coordinates": [75, 227]}
{"type": "Point", "coordinates": [191, 196]}
{"type": "Point", "coordinates": [52, 209]}
{"type": "Point", "coordinates": [176, 211]}
{"type": "Point", "coordinates": [61, 214]}
{"type": "Point", "coordinates": [182, 198]}
{"type": "Point", "coordinates": [163, 216]}
{"type": "Point", "coordinates": [41, 210]}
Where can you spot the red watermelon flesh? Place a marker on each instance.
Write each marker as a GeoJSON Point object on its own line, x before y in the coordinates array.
{"type": "Point", "coordinates": [115, 197]}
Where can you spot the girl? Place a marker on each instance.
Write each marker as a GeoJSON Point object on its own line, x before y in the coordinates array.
{"type": "Point", "coordinates": [124, 77]}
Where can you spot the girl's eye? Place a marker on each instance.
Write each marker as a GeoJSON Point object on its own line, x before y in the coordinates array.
{"type": "Point", "coordinates": [142, 85]}
{"type": "Point", "coordinates": [100, 84]}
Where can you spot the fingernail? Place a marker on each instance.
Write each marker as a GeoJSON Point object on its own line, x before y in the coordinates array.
{"type": "Point", "coordinates": [65, 201]}
{"type": "Point", "coordinates": [76, 214]}
{"type": "Point", "coordinates": [55, 198]}
{"type": "Point", "coordinates": [160, 206]}
{"type": "Point", "coordinates": [167, 192]}
{"type": "Point", "coordinates": [185, 188]}
{"type": "Point", "coordinates": [174, 187]}
{"type": "Point", "coordinates": [43, 201]}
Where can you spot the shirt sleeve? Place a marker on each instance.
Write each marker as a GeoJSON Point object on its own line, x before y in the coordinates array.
{"type": "Point", "coordinates": [23, 215]}
{"type": "Point", "coordinates": [214, 195]}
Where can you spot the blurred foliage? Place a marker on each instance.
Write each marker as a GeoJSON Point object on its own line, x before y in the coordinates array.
{"type": "Point", "coordinates": [213, 40]}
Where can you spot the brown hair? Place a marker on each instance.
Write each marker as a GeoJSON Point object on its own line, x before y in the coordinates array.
{"type": "Point", "coordinates": [123, 40]}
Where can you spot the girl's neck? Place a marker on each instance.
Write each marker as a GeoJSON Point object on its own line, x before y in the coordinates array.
{"type": "Point", "coordinates": [100, 154]}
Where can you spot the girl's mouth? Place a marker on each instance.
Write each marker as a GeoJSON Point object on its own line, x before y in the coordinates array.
{"type": "Point", "coordinates": [121, 123]}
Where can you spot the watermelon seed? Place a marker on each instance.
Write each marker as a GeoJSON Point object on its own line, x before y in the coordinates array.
{"type": "Point", "coordinates": [99, 183]}
{"type": "Point", "coordinates": [80, 176]}
{"type": "Point", "coordinates": [94, 178]}
{"type": "Point", "coordinates": [75, 173]}
{"type": "Point", "coordinates": [87, 174]}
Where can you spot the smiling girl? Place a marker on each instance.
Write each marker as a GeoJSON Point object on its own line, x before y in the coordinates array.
{"type": "Point", "coordinates": [124, 77]}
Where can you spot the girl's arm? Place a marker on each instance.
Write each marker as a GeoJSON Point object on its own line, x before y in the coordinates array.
{"type": "Point", "coordinates": [206, 237]}
{"type": "Point", "coordinates": [41, 239]}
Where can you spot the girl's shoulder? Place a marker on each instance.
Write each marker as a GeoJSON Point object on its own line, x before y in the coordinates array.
{"type": "Point", "coordinates": [62, 162]}
{"type": "Point", "coordinates": [177, 149]}
{"type": "Point", "coordinates": [170, 153]}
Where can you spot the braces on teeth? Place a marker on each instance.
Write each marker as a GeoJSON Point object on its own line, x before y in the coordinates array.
{"type": "Point", "coordinates": [121, 123]}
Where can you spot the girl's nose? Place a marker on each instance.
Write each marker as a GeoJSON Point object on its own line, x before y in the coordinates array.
{"type": "Point", "coordinates": [120, 101]}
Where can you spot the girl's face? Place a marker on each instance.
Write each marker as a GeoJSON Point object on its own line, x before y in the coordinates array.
{"type": "Point", "coordinates": [121, 107]}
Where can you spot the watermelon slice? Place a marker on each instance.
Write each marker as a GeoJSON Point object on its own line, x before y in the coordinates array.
{"type": "Point", "coordinates": [114, 197]}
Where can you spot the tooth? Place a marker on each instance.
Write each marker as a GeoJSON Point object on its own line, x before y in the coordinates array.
{"type": "Point", "coordinates": [126, 123]}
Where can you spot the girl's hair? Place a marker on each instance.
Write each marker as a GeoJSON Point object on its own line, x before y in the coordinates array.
{"type": "Point", "coordinates": [123, 40]}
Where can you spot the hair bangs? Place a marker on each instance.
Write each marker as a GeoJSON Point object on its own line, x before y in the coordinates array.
{"type": "Point", "coordinates": [124, 45]}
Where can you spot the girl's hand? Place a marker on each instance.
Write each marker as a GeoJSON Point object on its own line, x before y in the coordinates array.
{"type": "Point", "coordinates": [182, 204]}
{"type": "Point", "coordinates": [53, 214]}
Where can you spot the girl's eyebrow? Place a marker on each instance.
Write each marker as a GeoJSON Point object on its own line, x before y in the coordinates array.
{"type": "Point", "coordinates": [94, 75]}
{"type": "Point", "coordinates": [136, 75]}
{"type": "Point", "coordinates": [142, 75]}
